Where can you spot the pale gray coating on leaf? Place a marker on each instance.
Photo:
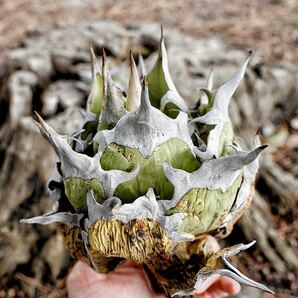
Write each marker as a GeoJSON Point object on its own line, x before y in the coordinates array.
{"type": "Point", "coordinates": [70, 219]}
{"type": "Point", "coordinates": [113, 105]}
{"type": "Point", "coordinates": [249, 174]}
{"type": "Point", "coordinates": [74, 164]}
{"type": "Point", "coordinates": [98, 211]}
{"type": "Point", "coordinates": [231, 272]}
{"type": "Point", "coordinates": [145, 129]}
{"type": "Point", "coordinates": [88, 117]}
{"type": "Point", "coordinates": [219, 173]}
{"type": "Point", "coordinates": [144, 207]}
{"type": "Point", "coordinates": [219, 115]}
{"type": "Point", "coordinates": [174, 98]}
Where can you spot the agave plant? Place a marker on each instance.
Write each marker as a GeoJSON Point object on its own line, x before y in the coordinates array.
{"type": "Point", "coordinates": [151, 180]}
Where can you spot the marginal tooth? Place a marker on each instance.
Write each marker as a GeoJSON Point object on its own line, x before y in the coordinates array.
{"type": "Point", "coordinates": [134, 87]}
{"type": "Point", "coordinates": [238, 161]}
{"type": "Point", "coordinates": [224, 170]}
{"type": "Point", "coordinates": [182, 121]}
{"type": "Point", "coordinates": [150, 193]}
{"type": "Point", "coordinates": [143, 111]}
{"type": "Point", "coordinates": [58, 143]}
{"type": "Point", "coordinates": [225, 92]}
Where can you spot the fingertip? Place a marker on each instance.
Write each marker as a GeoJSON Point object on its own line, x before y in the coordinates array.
{"type": "Point", "coordinates": [229, 285]}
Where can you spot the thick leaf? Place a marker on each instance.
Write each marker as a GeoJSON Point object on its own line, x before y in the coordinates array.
{"type": "Point", "coordinates": [243, 195]}
{"type": "Point", "coordinates": [83, 167]}
{"type": "Point", "coordinates": [70, 219]}
{"type": "Point", "coordinates": [219, 116]}
{"type": "Point", "coordinates": [219, 173]}
{"type": "Point", "coordinates": [205, 209]}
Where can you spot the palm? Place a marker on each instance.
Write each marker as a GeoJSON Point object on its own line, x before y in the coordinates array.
{"type": "Point", "coordinates": [129, 280]}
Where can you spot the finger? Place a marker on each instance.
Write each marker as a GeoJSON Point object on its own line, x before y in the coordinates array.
{"type": "Point", "coordinates": [80, 282]}
{"type": "Point", "coordinates": [127, 281]}
{"type": "Point", "coordinates": [229, 285]}
{"type": "Point", "coordinates": [208, 283]}
{"type": "Point", "coordinates": [223, 287]}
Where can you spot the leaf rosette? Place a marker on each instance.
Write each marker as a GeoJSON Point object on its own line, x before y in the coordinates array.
{"type": "Point", "coordinates": [150, 180]}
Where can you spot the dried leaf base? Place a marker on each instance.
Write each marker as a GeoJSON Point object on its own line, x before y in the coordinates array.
{"type": "Point", "coordinates": [171, 268]}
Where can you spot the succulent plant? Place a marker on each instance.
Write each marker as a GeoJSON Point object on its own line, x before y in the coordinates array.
{"type": "Point", "coordinates": [151, 180]}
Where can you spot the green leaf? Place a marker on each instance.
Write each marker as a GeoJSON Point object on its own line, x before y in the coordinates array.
{"type": "Point", "coordinates": [151, 174]}
{"type": "Point", "coordinates": [76, 190]}
{"type": "Point", "coordinates": [206, 209]}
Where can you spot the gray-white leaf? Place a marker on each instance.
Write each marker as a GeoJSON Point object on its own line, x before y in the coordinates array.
{"type": "Point", "coordinates": [218, 115]}
{"type": "Point", "coordinates": [71, 219]}
{"type": "Point", "coordinates": [219, 173]}
{"type": "Point", "coordinates": [145, 128]}
{"type": "Point", "coordinates": [144, 207]}
{"type": "Point", "coordinates": [249, 174]}
{"type": "Point", "coordinates": [74, 164]}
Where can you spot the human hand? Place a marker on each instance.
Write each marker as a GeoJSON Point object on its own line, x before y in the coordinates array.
{"type": "Point", "coordinates": [130, 281]}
